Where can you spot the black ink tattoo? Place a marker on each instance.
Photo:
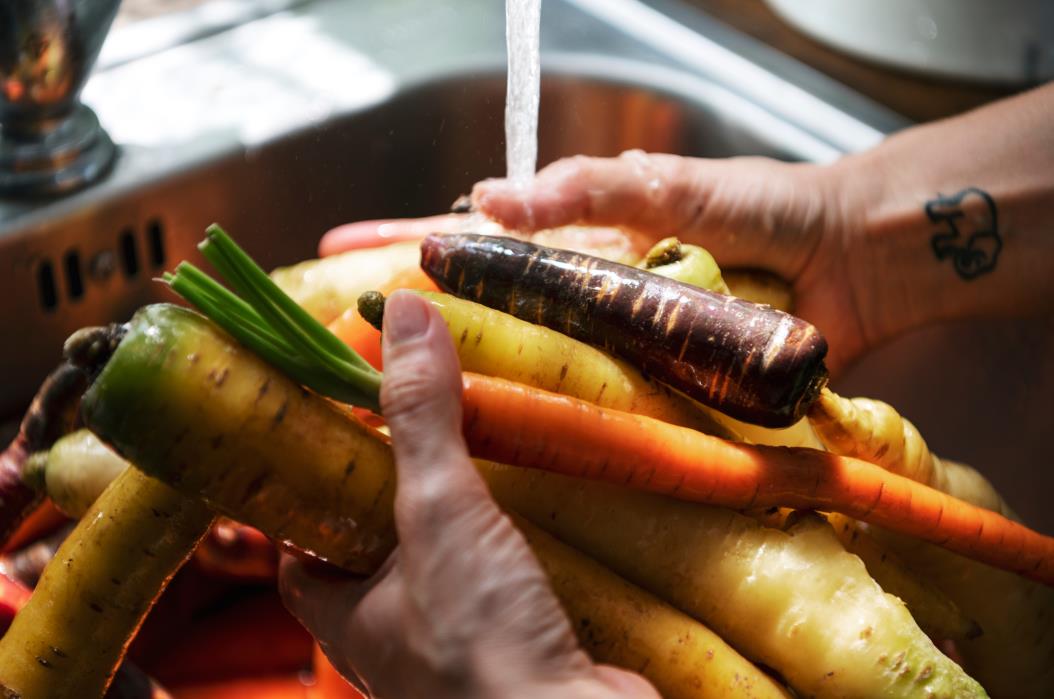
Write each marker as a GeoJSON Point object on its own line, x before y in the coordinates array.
{"type": "Point", "coordinates": [971, 231]}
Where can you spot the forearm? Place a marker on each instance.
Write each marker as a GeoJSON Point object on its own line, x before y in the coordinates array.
{"type": "Point", "coordinates": [960, 213]}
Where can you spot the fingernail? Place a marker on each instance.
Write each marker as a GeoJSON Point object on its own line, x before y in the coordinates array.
{"type": "Point", "coordinates": [405, 317]}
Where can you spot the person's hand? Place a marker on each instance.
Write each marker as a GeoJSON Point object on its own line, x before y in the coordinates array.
{"type": "Point", "coordinates": [789, 219]}
{"type": "Point", "coordinates": [462, 608]}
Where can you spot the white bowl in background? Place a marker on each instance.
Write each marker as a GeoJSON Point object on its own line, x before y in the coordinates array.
{"type": "Point", "coordinates": [995, 41]}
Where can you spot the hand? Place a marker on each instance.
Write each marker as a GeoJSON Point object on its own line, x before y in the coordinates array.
{"type": "Point", "coordinates": [749, 212]}
{"type": "Point", "coordinates": [462, 608]}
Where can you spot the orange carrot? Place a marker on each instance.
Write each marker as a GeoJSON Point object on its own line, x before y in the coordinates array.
{"type": "Point", "coordinates": [577, 438]}
{"type": "Point", "coordinates": [362, 337]}
{"type": "Point", "coordinates": [44, 520]}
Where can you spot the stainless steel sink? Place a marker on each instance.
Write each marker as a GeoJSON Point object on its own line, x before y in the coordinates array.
{"type": "Point", "coordinates": [326, 111]}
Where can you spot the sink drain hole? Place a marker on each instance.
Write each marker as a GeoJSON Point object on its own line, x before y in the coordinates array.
{"type": "Point", "coordinates": [49, 297]}
{"type": "Point", "coordinates": [155, 236]}
{"type": "Point", "coordinates": [129, 255]}
{"type": "Point", "coordinates": [74, 280]}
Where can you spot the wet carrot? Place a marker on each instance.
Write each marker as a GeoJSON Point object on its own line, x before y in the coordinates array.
{"type": "Point", "coordinates": [752, 362]}
{"type": "Point", "coordinates": [577, 438]}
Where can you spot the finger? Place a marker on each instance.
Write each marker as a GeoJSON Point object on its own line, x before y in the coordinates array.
{"type": "Point", "coordinates": [321, 596]}
{"type": "Point", "coordinates": [348, 616]}
{"type": "Point", "coordinates": [374, 234]}
{"type": "Point", "coordinates": [421, 401]}
{"type": "Point", "coordinates": [734, 208]}
{"type": "Point", "coordinates": [626, 190]}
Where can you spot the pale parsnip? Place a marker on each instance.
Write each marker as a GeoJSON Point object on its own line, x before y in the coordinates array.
{"type": "Point", "coordinates": [795, 601]}
{"type": "Point", "coordinates": [934, 612]}
{"type": "Point", "coordinates": [619, 623]}
{"type": "Point", "coordinates": [1014, 656]}
{"type": "Point", "coordinates": [76, 470]}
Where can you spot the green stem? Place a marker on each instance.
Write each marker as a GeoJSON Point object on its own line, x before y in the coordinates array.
{"type": "Point", "coordinates": [274, 326]}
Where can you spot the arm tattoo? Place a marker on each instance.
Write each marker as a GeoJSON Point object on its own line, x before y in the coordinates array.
{"type": "Point", "coordinates": [969, 232]}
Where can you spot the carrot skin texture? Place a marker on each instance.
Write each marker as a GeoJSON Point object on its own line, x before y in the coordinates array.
{"type": "Point", "coordinates": [187, 405]}
{"type": "Point", "coordinates": [752, 362]}
{"type": "Point", "coordinates": [647, 635]}
{"type": "Point", "coordinates": [180, 376]}
{"type": "Point", "coordinates": [580, 439]}
{"type": "Point", "coordinates": [69, 638]}
{"type": "Point", "coordinates": [496, 344]}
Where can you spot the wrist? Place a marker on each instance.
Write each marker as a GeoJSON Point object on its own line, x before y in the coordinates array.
{"type": "Point", "coordinates": [954, 220]}
{"type": "Point", "coordinates": [893, 278]}
{"type": "Point", "coordinates": [921, 246]}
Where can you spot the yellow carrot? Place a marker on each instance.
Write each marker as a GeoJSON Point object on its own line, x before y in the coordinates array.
{"type": "Point", "coordinates": [1015, 654]}
{"type": "Point", "coordinates": [570, 436]}
{"type": "Point", "coordinates": [795, 601]}
{"type": "Point", "coordinates": [874, 431]}
{"type": "Point", "coordinates": [497, 344]}
{"type": "Point", "coordinates": [621, 624]}
{"type": "Point", "coordinates": [933, 610]}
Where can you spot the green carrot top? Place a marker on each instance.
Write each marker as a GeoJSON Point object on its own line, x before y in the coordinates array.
{"type": "Point", "coordinates": [266, 320]}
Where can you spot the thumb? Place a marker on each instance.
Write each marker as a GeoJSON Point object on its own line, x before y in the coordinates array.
{"type": "Point", "coordinates": [421, 401]}
{"type": "Point", "coordinates": [421, 389]}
